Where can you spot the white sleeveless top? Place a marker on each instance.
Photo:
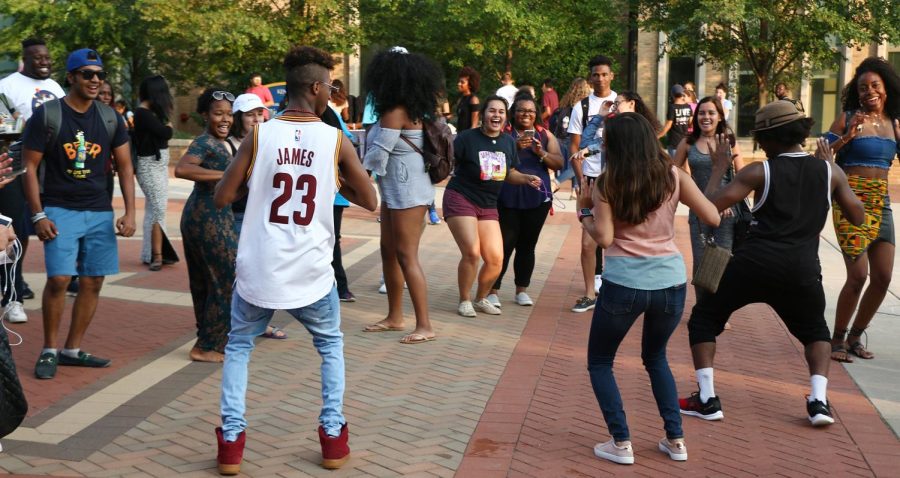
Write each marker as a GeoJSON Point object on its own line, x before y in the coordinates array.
{"type": "Point", "coordinates": [287, 239]}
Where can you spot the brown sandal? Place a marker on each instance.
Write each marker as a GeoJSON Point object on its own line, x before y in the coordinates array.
{"type": "Point", "coordinates": [156, 263]}
{"type": "Point", "coordinates": [839, 353]}
{"type": "Point", "coordinates": [856, 347]}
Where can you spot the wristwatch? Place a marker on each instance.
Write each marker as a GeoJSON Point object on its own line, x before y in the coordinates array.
{"type": "Point", "coordinates": [585, 212]}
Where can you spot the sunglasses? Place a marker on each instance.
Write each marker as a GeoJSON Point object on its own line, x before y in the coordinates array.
{"type": "Point", "coordinates": [223, 95]}
{"type": "Point", "coordinates": [89, 75]}
{"type": "Point", "coordinates": [334, 89]}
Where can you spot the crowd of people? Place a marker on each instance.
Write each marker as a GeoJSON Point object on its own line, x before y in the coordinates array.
{"type": "Point", "coordinates": [266, 178]}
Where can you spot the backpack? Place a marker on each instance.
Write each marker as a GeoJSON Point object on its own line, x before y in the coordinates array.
{"type": "Point", "coordinates": [559, 122]}
{"type": "Point", "coordinates": [438, 149]}
{"type": "Point", "coordinates": [585, 102]}
{"type": "Point", "coordinates": [53, 119]}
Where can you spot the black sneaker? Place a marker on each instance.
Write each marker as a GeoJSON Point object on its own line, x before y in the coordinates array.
{"type": "Point", "coordinates": [83, 360]}
{"type": "Point", "coordinates": [46, 366]}
{"type": "Point", "coordinates": [819, 413]}
{"type": "Point", "coordinates": [27, 293]}
{"type": "Point", "coordinates": [711, 410]}
{"type": "Point", "coordinates": [72, 289]}
{"type": "Point", "coordinates": [347, 297]}
{"type": "Point", "coordinates": [584, 304]}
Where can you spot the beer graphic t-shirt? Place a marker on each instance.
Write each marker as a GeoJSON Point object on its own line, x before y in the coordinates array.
{"type": "Point", "coordinates": [482, 163]}
{"type": "Point", "coordinates": [75, 164]}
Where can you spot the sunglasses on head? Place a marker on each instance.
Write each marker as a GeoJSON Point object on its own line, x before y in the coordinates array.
{"type": "Point", "coordinates": [89, 75]}
{"type": "Point", "coordinates": [223, 95]}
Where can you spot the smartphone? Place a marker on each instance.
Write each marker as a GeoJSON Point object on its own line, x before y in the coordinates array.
{"type": "Point", "coordinates": [14, 173]}
{"type": "Point", "coordinates": [18, 166]}
{"type": "Point", "coordinates": [528, 133]}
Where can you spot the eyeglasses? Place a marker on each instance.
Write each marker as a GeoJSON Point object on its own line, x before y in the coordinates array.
{"type": "Point", "coordinates": [223, 95]}
{"type": "Point", "coordinates": [331, 88]}
{"type": "Point", "coordinates": [526, 112]}
{"type": "Point", "coordinates": [89, 75]}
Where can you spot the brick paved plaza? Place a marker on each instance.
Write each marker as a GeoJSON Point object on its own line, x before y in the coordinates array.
{"type": "Point", "coordinates": [493, 396]}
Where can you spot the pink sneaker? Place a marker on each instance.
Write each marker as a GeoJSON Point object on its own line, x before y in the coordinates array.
{"type": "Point", "coordinates": [231, 453]}
{"type": "Point", "coordinates": [335, 451]}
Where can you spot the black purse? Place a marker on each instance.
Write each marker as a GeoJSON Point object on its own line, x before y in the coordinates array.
{"type": "Point", "coordinates": [13, 406]}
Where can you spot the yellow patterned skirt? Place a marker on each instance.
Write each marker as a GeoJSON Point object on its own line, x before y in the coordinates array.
{"type": "Point", "coordinates": [854, 240]}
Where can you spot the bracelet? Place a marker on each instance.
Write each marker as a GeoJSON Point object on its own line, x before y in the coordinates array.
{"type": "Point", "coordinates": [38, 216]}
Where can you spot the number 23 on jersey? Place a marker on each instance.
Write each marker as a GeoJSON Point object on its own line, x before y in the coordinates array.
{"type": "Point", "coordinates": [305, 186]}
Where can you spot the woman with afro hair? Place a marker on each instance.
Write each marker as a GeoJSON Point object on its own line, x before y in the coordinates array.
{"type": "Point", "coordinates": [405, 88]}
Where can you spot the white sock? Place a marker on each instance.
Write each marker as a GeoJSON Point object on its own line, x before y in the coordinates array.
{"type": "Point", "coordinates": [52, 351]}
{"type": "Point", "coordinates": [705, 380]}
{"type": "Point", "coordinates": [819, 384]}
{"type": "Point", "coordinates": [71, 352]}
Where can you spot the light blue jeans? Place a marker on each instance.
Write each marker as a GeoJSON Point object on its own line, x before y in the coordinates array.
{"type": "Point", "coordinates": [323, 320]}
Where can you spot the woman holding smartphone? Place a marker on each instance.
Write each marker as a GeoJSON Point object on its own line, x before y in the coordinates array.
{"type": "Point", "coordinates": [523, 209]}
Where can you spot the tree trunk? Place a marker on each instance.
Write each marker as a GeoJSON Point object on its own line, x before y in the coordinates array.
{"type": "Point", "coordinates": [762, 87]}
{"type": "Point", "coordinates": [509, 58]}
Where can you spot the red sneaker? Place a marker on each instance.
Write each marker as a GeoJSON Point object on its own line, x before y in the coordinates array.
{"type": "Point", "coordinates": [231, 453]}
{"type": "Point", "coordinates": [335, 451]}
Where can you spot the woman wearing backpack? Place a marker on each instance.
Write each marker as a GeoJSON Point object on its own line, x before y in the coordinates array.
{"type": "Point", "coordinates": [404, 87]}
{"type": "Point", "coordinates": [559, 122]}
{"type": "Point", "coordinates": [485, 158]}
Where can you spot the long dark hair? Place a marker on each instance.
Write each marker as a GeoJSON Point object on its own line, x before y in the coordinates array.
{"type": "Point", "coordinates": [155, 90]}
{"type": "Point", "coordinates": [641, 108]}
{"type": "Point", "coordinates": [879, 66]}
{"type": "Point", "coordinates": [721, 128]}
{"type": "Point", "coordinates": [638, 176]}
{"type": "Point", "coordinates": [397, 78]}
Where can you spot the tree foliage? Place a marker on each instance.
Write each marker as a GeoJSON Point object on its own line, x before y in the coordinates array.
{"type": "Point", "coordinates": [532, 39]}
{"type": "Point", "coordinates": [191, 42]}
{"type": "Point", "coordinates": [771, 36]}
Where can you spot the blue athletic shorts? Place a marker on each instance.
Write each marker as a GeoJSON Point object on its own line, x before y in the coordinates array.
{"type": "Point", "coordinates": [86, 240]}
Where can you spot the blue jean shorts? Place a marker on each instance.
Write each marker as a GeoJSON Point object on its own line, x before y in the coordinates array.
{"type": "Point", "coordinates": [85, 246]}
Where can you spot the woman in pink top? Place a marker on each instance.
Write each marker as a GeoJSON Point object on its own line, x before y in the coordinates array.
{"type": "Point", "coordinates": [633, 215]}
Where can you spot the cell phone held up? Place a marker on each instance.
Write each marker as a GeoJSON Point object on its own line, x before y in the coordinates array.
{"type": "Point", "coordinates": [18, 166]}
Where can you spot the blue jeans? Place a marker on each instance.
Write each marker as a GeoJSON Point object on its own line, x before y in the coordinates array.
{"type": "Point", "coordinates": [617, 309]}
{"type": "Point", "coordinates": [323, 320]}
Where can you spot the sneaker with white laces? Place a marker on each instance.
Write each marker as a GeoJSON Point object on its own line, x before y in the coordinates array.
{"type": "Point", "coordinates": [676, 449]}
{"type": "Point", "coordinates": [523, 299]}
{"type": "Point", "coordinates": [584, 304]}
{"type": "Point", "coordinates": [819, 413]}
{"type": "Point", "coordinates": [623, 455]}
{"type": "Point", "coordinates": [15, 313]}
{"type": "Point", "coordinates": [484, 306]}
{"type": "Point", "coordinates": [494, 300]}
{"type": "Point", "coordinates": [466, 309]}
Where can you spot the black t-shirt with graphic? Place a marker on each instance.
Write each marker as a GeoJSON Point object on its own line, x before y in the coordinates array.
{"type": "Point", "coordinates": [681, 118]}
{"type": "Point", "coordinates": [482, 164]}
{"type": "Point", "coordinates": [75, 170]}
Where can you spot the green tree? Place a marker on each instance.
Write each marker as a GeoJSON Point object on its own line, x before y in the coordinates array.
{"type": "Point", "coordinates": [773, 37]}
{"type": "Point", "coordinates": [531, 39]}
{"type": "Point", "coordinates": [191, 42]}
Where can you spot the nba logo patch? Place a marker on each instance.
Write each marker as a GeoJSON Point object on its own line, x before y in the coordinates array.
{"type": "Point", "coordinates": [296, 135]}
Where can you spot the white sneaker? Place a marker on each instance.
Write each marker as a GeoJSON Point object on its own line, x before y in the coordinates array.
{"type": "Point", "coordinates": [15, 313]}
{"type": "Point", "coordinates": [523, 299]}
{"type": "Point", "coordinates": [382, 289]}
{"type": "Point", "coordinates": [466, 309]}
{"type": "Point", "coordinates": [597, 282]}
{"type": "Point", "coordinates": [494, 300]}
{"type": "Point", "coordinates": [484, 306]}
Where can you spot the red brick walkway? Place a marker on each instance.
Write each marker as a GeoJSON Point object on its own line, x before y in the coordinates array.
{"type": "Point", "coordinates": [543, 418]}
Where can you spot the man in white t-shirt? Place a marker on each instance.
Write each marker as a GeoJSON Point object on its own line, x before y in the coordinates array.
{"type": "Point", "coordinates": [587, 171]}
{"type": "Point", "coordinates": [722, 94]}
{"type": "Point", "coordinates": [24, 92]}
{"type": "Point", "coordinates": [508, 90]}
{"type": "Point", "coordinates": [32, 87]}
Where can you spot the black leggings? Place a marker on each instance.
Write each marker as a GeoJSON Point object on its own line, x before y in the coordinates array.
{"type": "Point", "coordinates": [521, 229]}
{"type": "Point", "coordinates": [340, 275]}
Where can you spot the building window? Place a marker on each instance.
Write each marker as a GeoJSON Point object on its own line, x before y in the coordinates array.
{"type": "Point", "coordinates": [894, 59]}
{"type": "Point", "coordinates": [682, 69]}
{"type": "Point", "coordinates": [825, 97]}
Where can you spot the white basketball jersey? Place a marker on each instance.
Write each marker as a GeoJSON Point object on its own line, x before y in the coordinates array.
{"type": "Point", "coordinates": [287, 238]}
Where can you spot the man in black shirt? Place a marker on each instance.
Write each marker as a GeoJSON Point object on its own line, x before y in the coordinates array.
{"type": "Point", "coordinates": [778, 262]}
{"type": "Point", "coordinates": [73, 214]}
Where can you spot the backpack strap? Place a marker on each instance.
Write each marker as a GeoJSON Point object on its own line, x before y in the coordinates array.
{"type": "Point", "coordinates": [52, 120]}
{"type": "Point", "coordinates": [585, 102]}
{"type": "Point", "coordinates": [110, 119]}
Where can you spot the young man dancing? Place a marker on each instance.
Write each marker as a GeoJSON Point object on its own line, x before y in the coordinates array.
{"type": "Point", "coordinates": [778, 263]}
{"type": "Point", "coordinates": [291, 169]}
